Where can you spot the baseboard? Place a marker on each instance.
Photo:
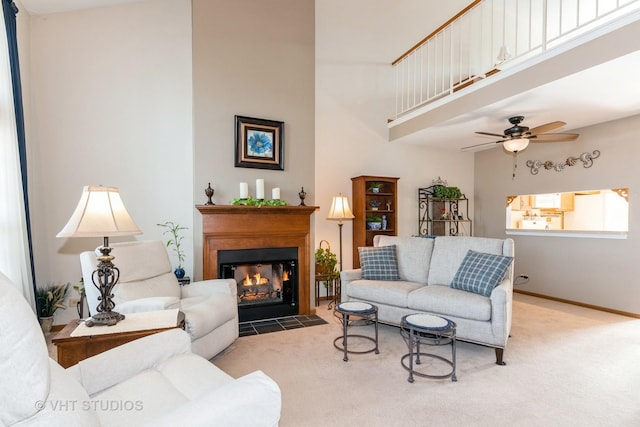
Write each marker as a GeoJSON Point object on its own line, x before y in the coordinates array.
{"type": "Point", "coordinates": [581, 304]}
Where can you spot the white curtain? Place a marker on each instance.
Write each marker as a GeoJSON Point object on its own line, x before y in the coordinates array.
{"type": "Point", "coordinates": [14, 248]}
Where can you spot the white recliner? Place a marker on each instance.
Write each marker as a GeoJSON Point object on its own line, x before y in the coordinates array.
{"type": "Point", "coordinates": [147, 283]}
{"type": "Point", "coordinates": [155, 380]}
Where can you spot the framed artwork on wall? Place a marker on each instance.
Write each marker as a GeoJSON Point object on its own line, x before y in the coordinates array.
{"type": "Point", "coordinates": [259, 143]}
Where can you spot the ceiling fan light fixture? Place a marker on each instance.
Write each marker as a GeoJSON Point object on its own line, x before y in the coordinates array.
{"type": "Point", "coordinates": [515, 145]}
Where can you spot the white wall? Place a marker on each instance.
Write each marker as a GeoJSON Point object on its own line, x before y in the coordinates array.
{"type": "Point", "coordinates": [111, 96]}
{"type": "Point", "coordinates": [599, 272]}
{"type": "Point", "coordinates": [252, 58]}
{"type": "Point", "coordinates": [354, 99]}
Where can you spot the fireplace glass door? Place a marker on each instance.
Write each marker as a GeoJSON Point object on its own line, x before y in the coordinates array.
{"type": "Point", "coordinates": [266, 281]}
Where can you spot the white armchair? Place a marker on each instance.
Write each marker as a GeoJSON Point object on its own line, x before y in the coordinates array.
{"type": "Point", "coordinates": [147, 283]}
{"type": "Point", "coordinates": [155, 380]}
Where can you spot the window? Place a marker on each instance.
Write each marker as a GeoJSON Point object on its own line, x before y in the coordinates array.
{"type": "Point", "coordinates": [585, 211]}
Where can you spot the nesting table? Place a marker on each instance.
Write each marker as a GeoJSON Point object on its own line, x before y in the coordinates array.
{"type": "Point", "coordinates": [355, 313]}
{"type": "Point", "coordinates": [426, 329]}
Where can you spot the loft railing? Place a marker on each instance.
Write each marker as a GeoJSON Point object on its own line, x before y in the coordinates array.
{"type": "Point", "coordinates": [489, 36]}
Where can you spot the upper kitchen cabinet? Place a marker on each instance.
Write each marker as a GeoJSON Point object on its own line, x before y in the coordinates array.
{"type": "Point", "coordinates": [559, 201]}
{"type": "Point", "coordinates": [596, 211]}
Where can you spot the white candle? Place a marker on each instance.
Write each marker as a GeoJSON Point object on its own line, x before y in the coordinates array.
{"type": "Point", "coordinates": [275, 194]}
{"type": "Point", "coordinates": [244, 190]}
{"type": "Point", "coordinates": [259, 189]}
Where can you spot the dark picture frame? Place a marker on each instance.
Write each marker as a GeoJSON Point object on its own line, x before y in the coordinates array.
{"type": "Point", "coordinates": [259, 143]}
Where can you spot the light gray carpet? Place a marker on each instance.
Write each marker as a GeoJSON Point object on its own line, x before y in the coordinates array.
{"type": "Point", "coordinates": [566, 366]}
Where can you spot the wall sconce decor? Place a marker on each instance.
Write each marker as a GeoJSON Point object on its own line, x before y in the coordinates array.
{"type": "Point", "coordinates": [586, 159]}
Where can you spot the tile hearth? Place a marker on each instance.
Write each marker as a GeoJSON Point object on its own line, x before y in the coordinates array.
{"type": "Point", "coordinates": [279, 324]}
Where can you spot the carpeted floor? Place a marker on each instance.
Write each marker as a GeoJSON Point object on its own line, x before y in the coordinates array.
{"type": "Point", "coordinates": [566, 366]}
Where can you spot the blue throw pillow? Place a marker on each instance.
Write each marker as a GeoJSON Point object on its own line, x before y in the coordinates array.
{"type": "Point", "coordinates": [480, 272]}
{"type": "Point", "coordinates": [379, 263]}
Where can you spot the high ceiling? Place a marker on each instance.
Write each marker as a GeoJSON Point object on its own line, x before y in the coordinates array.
{"type": "Point", "coordinates": [595, 85]}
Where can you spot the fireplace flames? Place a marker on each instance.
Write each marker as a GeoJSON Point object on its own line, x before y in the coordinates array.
{"type": "Point", "coordinates": [257, 279]}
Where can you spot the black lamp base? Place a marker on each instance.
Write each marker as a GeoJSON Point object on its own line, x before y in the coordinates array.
{"type": "Point", "coordinates": [104, 278]}
{"type": "Point", "coordinates": [105, 318]}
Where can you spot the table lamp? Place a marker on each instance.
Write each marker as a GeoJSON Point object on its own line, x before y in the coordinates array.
{"type": "Point", "coordinates": [101, 213]}
{"type": "Point", "coordinates": [339, 211]}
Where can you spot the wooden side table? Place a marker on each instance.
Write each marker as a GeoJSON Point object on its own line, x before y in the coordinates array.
{"type": "Point", "coordinates": [71, 350]}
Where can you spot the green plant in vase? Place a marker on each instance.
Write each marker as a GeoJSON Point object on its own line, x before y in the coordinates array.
{"type": "Point", "coordinates": [175, 241]}
{"type": "Point", "coordinates": [49, 299]}
{"type": "Point", "coordinates": [374, 222]}
{"type": "Point", "coordinates": [375, 187]}
{"type": "Point", "coordinates": [326, 261]}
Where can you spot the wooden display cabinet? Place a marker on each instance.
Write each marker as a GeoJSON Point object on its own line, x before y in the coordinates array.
{"type": "Point", "coordinates": [369, 202]}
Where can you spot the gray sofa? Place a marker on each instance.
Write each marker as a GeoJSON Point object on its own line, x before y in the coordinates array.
{"type": "Point", "coordinates": [426, 269]}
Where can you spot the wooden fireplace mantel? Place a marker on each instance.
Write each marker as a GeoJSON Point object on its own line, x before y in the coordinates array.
{"type": "Point", "coordinates": [227, 227]}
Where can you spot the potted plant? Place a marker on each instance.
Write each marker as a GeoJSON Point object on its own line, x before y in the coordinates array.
{"type": "Point", "coordinates": [174, 231]}
{"type": "Point", "coordinates": [375, 187]}
{"type": "Point", "coordinates": [48, 300]}
{"type": "Point", "coordinates": [326, 261]}
{"type": "Point", "coordinates": [374, 222]}
{"type": "Point", "coordinates": [443, 192]}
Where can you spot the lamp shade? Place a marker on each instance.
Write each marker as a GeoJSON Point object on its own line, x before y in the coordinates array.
{"type": "Point", "coordinates": [514, 145]}
{"type": "Point", "coordinates": [100, 213]}
{"type": "Point", "coordinates": [340, 209]}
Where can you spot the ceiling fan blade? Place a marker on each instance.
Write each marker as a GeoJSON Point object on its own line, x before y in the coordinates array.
{"type": "Point", "coordinates": [481, 146]}
{"type": "Point", "coordinates": [546, 127]}
{"type": "Point", "coordinates": [551, 137]}
{"type": "Point", "coordinates": [494, 135]}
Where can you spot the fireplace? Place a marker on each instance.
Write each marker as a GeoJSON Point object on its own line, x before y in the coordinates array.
{"type": "Point", "coordinates": [228, 231]}
{"type": "Point", "coordinates": [266, 279]}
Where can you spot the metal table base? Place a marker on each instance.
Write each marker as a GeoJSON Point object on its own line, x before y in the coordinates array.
{"type": "Point", "coordinates": [356, 314]}
{"type": "Point", "coordinates": [426, 329]}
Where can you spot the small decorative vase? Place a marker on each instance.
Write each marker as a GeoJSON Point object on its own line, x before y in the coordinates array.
{"type": "Point", "coordinates": [302, 194]}
{"type": "Point", "coordinates": [46, 323]}
{"type": "Point", "coordinates": [209, 193]}
{"type": "Point", "coordinates": [179, 272]}
{"type": "Point", "coordinates": [375, 190]}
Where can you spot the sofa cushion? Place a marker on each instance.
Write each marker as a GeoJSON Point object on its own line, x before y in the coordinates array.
{"type": "Point", "coordinates": [147, 395]}
{"type": "Point", "coordinates": [413, 253]}
{"type": "Point", "coordinates": [481, 272]}
{"type": "Point", "coordinates": [449, 251]}
{"type": "Point", "coordinates": [379, 263]}
{"type": "Point", "coordinates": [28, 353]}
{"type": "Point", "coordinates": [450, 302]}
{"type": "Point", "coordinates": [384, 292]}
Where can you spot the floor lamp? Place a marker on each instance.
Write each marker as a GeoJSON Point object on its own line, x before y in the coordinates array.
{"type": "Point", "coordinates": [101, 213]}
{"type": "Point", "coordinates": [339, 211]}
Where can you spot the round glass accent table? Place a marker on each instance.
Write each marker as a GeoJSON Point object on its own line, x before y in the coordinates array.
{"type": "Point", "coordinates": [426, 329]}
{"type": "Point", "coordinates": [356, 314]}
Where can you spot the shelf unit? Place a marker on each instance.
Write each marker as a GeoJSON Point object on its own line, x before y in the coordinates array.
{"type": "Point", "coordinates": [364, 198]}
{"type": "Point", "coordinates": [443, 217]}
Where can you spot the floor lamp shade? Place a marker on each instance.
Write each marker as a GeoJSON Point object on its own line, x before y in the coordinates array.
{"type": "Point", "coordinates": [340, 209]}
{"type": "Point", "coordinates": [101, 213]}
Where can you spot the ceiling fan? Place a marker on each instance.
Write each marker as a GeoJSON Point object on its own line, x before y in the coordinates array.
{"type": "Point", "coordinates": [517, 137]}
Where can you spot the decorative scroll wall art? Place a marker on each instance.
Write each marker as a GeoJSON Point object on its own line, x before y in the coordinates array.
{"type": "Point", "coordinates": [586, 159]}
